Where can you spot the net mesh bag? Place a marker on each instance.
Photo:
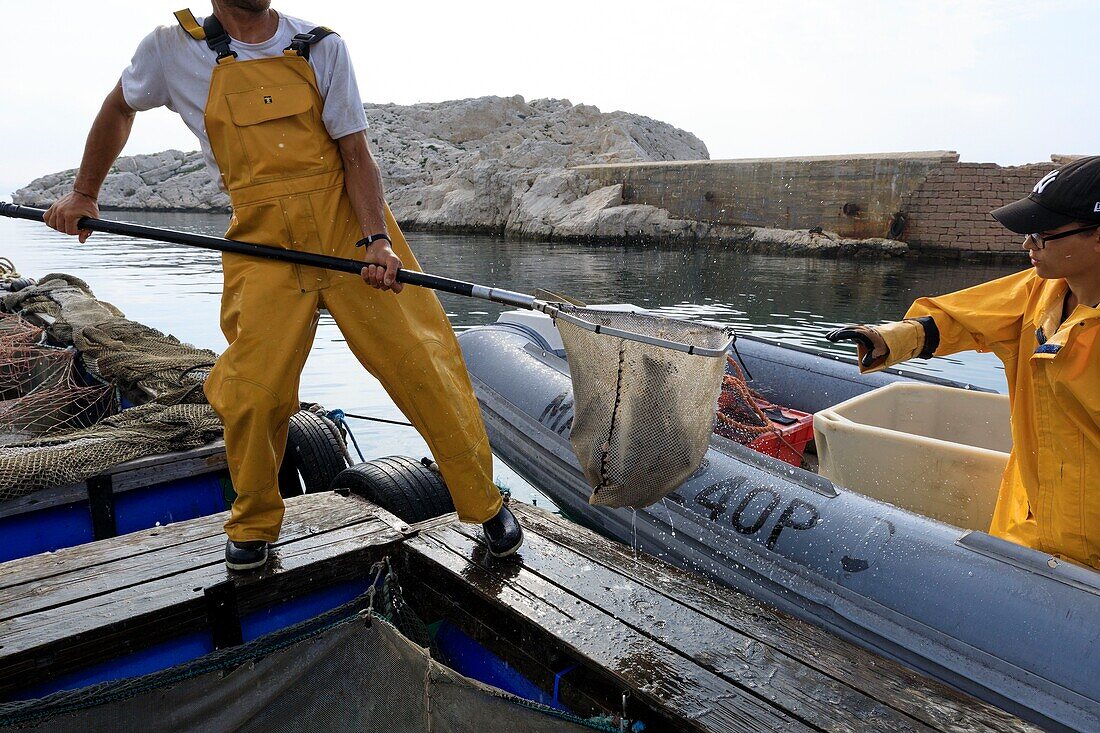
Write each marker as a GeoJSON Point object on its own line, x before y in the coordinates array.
{"type": "Point", "coordinates": [349, 669]}
{"type": "Point", "coordinates": [643, 412]}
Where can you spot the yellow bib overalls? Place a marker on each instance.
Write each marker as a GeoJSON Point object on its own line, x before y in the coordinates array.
{"type": "Point", "coordinates": [285, 180]}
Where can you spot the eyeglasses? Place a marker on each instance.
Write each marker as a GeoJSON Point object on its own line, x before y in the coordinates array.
{"type": "Point", "coordinates": [1041, 241]}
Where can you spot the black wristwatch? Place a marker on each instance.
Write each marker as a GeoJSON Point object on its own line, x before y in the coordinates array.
{"type": "Point", "coordinates": [368, 241]}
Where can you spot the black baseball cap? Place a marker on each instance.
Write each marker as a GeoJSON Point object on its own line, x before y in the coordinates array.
{"type": "Point", "coordinates": [1067, 194]}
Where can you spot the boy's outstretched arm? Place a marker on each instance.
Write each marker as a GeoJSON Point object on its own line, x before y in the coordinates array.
{"type": "Point", "coordinates": [986, 317]}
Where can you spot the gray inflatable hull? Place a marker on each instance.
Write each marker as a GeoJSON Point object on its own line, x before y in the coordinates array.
{"type": "Point", "coordinates": [996, 620]}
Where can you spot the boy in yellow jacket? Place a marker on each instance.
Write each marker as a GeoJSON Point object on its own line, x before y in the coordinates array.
{"type": "Point", "coordinates": [1044, 324]}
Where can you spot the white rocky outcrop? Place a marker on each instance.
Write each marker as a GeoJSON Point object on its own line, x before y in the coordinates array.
{"type": "Point", "coordinates": [492, 164]}
{"type": "Point", "coordinates": [815, 242]}
{"type": "Point", "coordinates": [501, 163]}
{"type": "Point", "coordinates": [468, 164]}
{"type": "Point", "coordinates": [168, 181]}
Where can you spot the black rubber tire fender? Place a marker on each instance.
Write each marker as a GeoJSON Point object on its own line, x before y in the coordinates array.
{"type": "Point", "coordinates": [410, 489]}
{"type": "Point", "coordinates": [315, 454]}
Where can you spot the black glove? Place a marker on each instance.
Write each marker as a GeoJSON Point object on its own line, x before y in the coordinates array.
{"type": "Point", "coordinates": [872, 347]}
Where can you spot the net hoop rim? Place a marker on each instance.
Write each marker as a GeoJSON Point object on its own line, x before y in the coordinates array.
{"type": "Point", "coordinates": [651, 340]}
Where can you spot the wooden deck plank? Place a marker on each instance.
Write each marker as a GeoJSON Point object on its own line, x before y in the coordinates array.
{"type": "Point", "coordinates": [114, 576]}
{"type": "Point", "coordinates": [57, 623]}
{"type": "Point", "coordinates": [302, 513]}
{"type": "Point", "coordinates": [720, 648]}
{"type": "Point", "coordinates": [84, 633]}
{"type": "Point", "coordinates": [58, 639]}
{"type": "Point", "coordinates": [695, 655]}
{"type": "Point", "coordinates": [702, 700]}
{"type": "Point", "coordinates": [890, 683]}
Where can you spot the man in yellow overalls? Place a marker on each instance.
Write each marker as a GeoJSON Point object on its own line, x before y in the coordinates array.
{"type": "Point", "coordinates": [273, 102]}
{"type": "Point", "coordinates": [1044, 324]}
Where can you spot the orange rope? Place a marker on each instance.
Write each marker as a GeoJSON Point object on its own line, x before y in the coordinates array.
{"type": "Point", "coordinates": [737, 401]}
{"type": "Point", "coordinates": [736, 406]}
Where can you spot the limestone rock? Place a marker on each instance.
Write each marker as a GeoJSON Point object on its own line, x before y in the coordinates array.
{"type": "Point", "coordinates": [491, 164]}
{"type": "Point", "coordinates": [823, 244]}
{"type": "Point", "coordinates": [460, 164]}
{"type": "Point", "coordinates": [479, 164]}
{"type": "Point", "coordinates": [168, 181]}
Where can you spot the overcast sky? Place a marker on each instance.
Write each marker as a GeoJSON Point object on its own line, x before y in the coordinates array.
{"type": "Point", "coordinates": [1007, 82]}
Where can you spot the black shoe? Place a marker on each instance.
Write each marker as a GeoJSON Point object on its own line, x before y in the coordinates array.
{"type": "Point", "coordinates": [503, 533]}
{"type": "Point", "coordinates": [245, 555]}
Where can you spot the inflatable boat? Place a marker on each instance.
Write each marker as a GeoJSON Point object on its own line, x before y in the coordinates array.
{"type": "Point", "coordinates": [1008, 624]}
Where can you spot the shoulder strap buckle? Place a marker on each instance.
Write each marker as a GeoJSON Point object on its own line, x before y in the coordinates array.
{"type": "Point", "coordinates": [302, 42]}
{"type": "Point", "coordinates": [217, 38]}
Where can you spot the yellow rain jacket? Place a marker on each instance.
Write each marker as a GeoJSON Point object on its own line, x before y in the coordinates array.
{"type": "Point", "coordinates": [285, 179]}
{"type": "Point", "coordinates": [1050, 492]}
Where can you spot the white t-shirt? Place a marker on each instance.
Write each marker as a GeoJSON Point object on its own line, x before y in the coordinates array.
{"type": "Point", "coordinates": [171, 69]}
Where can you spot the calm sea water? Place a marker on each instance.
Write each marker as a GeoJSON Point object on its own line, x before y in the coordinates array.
{"type": "Point", "coordinates": [797, 300]}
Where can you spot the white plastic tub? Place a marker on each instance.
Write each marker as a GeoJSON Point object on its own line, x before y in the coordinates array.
{"type": "Point", "coordinates": [938, 451]}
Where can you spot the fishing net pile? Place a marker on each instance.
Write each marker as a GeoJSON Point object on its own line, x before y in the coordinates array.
{"type": "Point", "coordinates": [40, 390]}
{"type": "Point", "coordinates": [62, 386]}
{"type": "Point", "coordinates": [749, 418]}
{"type": "Point", "coordinates": [740, 414]}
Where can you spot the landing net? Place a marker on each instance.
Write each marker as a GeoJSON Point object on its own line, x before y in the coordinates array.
{"type": "Point", "coordinates": [645, 390]}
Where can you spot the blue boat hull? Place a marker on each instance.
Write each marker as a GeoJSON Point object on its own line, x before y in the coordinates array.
{"type": "Point", "coordinates": [1005, 623]}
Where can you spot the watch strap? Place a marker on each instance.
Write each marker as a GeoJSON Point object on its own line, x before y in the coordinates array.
{"type": "Point", "coordinates": [368, 241]}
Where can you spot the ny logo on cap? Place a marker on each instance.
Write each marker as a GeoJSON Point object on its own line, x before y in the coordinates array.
{"type": "Point", "coordinates": [1044, 182]}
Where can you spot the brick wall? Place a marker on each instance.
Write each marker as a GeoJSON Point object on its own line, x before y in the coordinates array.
{"type": "Point", "coordinates": [949, 211]}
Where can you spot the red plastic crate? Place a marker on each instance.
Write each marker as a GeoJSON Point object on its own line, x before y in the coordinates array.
{"type": "Point", "coordinates": [792, 444]}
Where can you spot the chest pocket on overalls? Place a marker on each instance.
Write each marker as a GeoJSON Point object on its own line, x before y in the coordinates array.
{"type": "Point", "coordinates": [277, 130]}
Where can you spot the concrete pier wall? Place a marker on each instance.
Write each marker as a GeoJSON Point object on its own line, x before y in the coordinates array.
{"type": "Point", "coordinates": [944, 203]}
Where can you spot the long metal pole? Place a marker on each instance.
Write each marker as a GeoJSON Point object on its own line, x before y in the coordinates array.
{"type": "Point", "coordinates": [339, 264]}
